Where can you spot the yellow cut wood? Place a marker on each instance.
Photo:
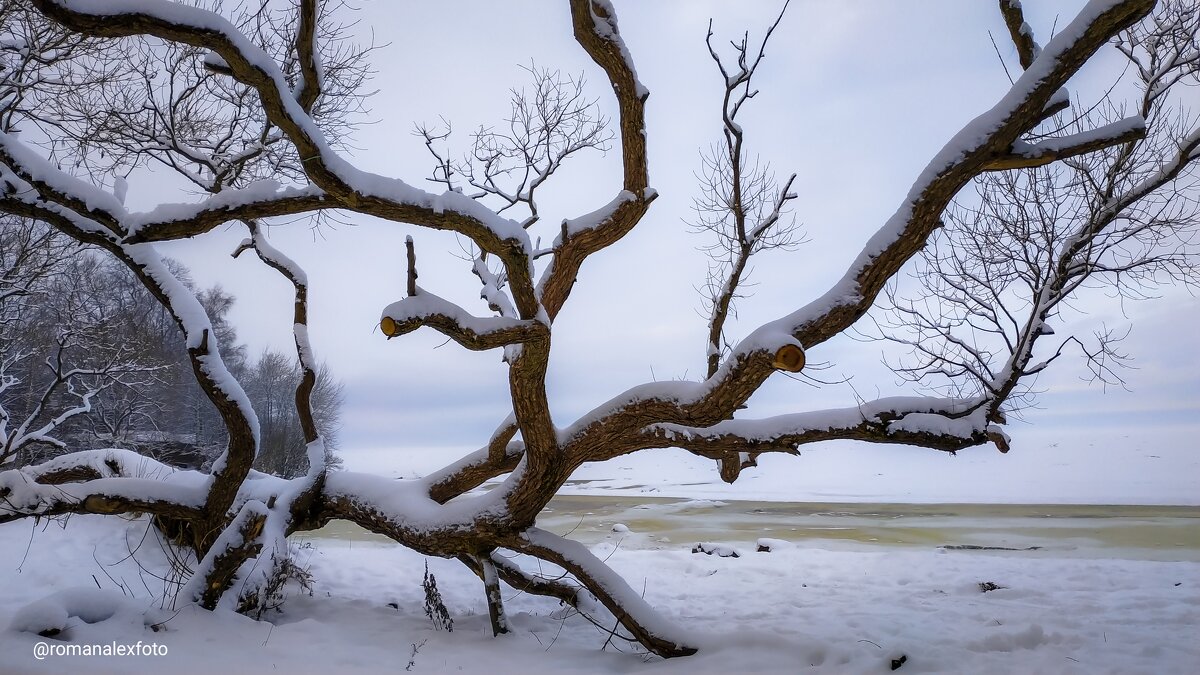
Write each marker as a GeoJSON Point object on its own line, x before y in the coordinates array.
{"type": "Point", "coordinates": [388, 326]}
{"type": "Point", "coordinates": [789, 358]}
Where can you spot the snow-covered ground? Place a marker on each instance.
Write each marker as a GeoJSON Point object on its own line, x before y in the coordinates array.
{"type": "Point", "coordinates": [824, 607]}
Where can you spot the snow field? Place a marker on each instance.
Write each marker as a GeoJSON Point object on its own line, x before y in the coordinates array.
{"type": "Point", "coordinates": [796, 609]}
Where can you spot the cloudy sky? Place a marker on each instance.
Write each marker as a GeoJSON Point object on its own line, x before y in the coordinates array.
{"type": "Point", "coordinates": [856, 98]}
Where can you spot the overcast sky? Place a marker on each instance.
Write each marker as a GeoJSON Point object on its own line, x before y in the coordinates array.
{"type": "Point", "coordinates": [856, 98]}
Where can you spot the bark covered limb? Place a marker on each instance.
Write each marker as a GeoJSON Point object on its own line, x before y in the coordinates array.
{"type": "Point", "coordinates": [595, 28]}
{"type": "Point", "coordinates": [425, 309]}
{"type": "Point", "coordinates": [1028, 50]}
{"type": "Point", "coordinates": [485, 569]}
{"type": "Point", "coordinates": [476, 468]}
{"type": "Point", "coordinates": [642, 621]}
{"type": "Point", "coordinates": [411, 285]}
{"type": "Point", "coordinates": [1020, 32]}
{"type": "Point", "coordinates": [96, 481]}
{"type": "Point", "coordinates": [239, 542]}
{"type": "Point", "coordinates": [303, 497]}
{"type": "Point", "coordinates": [1030, 155]}
{"type": "Point", "coordinates": [941, 424]}
{"type": "Point", "coordinates": [307, 55]}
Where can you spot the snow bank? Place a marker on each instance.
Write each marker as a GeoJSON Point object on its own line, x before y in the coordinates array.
{"type": "Point", "coordinates": [53, 615]}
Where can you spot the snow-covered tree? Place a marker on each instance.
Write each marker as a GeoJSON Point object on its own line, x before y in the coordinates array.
{"type": "Point", "coordinates": [88, 357]}
{"type": "Point", "coordinates": [61, 360]}
{"type": "Point", "coordinates": [250, 106]}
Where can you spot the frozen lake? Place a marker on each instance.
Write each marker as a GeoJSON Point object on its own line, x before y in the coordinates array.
{"type": "Point", "coordinates": [1130, 532]}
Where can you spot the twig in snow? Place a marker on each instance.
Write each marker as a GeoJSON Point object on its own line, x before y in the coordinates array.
{"type": "Point", "coordinates": [412, 659]}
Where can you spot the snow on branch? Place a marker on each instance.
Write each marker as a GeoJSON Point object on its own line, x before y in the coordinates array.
{"type": "Point", "coordinates": [1022, 35]}
{"type": "Point", "coordinates": [604, 26]}
{"type": "Point", "coordinates": [1028, 155]}
{"type": "Point", "coordinates": [938, 423]}
{"type": "Point", "coordinates": [630, 609]}
{"type": "Point", "coordinates": [255, 201]}
{"type": "Point", "coordinates": [573, 227]}
{"type": "Point", "coordinates": [473, 470]}
{"type": "Point", "coordinates": [37, 181]}
{"type": "Point", "coordinates": [595, 27]}
{"type": "Point", "coordinates": [404, 511]}
{"type": "Point", "coordinates": [92, 464]}
{"type": "Point", "coordinates": [275, 259]}
{"type": "Point", "coordinates": [492, 290]}
{"type": "Point", "coordinates": [25, 175]}
{"type": "Point", "coordinates": [1028, 50]}
{"type": "Point", "coordinates": [473, 332]}
{"type": "Point", "coordinates": [237, 542]}
{"type": "Point", "coordinates": [101, 481]}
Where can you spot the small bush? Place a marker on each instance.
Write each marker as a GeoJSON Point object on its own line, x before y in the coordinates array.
{"type": "Point", "coordinates": [435, 608]}
{"type": "Point", "coordinates": [273, 593]}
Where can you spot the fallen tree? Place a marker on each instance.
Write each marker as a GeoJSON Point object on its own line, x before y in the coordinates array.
{"type": "Point", "coordinates": [254, 122]}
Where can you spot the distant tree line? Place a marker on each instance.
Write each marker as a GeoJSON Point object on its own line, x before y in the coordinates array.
{"type": "Point", "coordinates": [88, 358]}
